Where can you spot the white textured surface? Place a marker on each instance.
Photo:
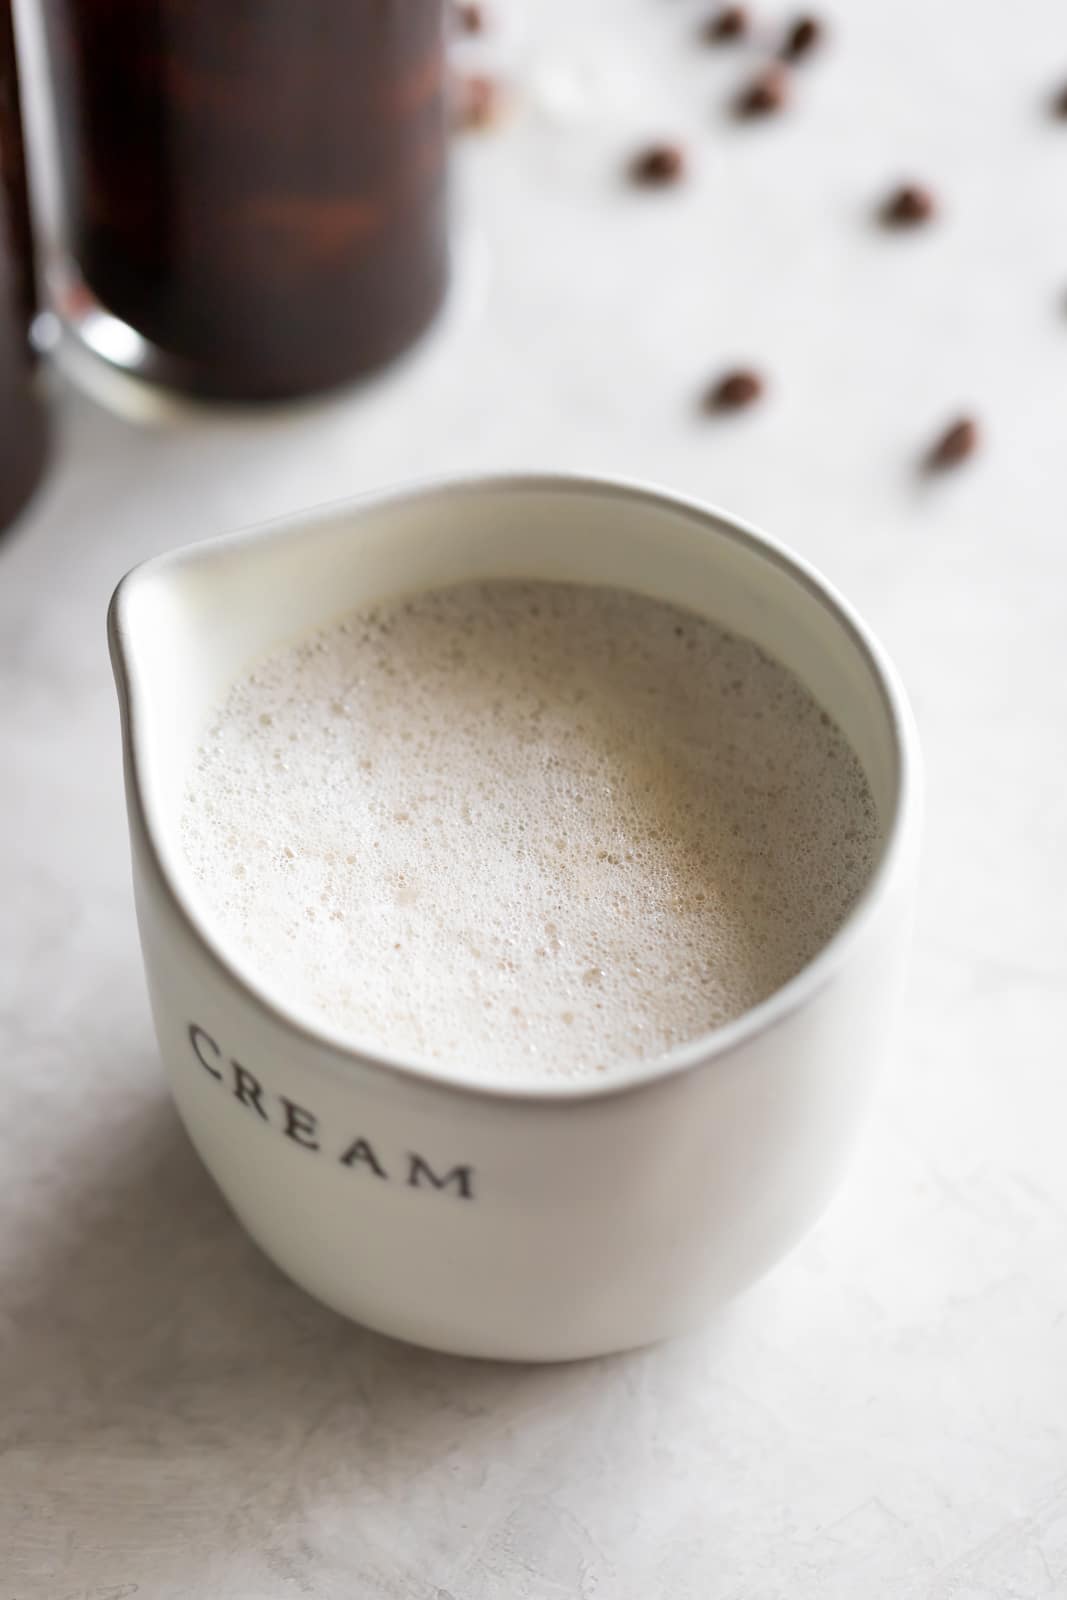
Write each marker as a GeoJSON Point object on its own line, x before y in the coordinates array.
{"type": "Point", "coordinates": [886, 1416]}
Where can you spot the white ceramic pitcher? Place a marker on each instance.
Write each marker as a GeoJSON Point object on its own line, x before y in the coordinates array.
{"type": "Point", "coordinates": [548, 1222]}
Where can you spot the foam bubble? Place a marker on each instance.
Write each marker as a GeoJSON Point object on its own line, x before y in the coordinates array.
{"type": "Point", "coordinates": [533, 830]}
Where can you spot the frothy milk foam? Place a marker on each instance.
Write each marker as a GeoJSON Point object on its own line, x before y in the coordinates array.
{"type": "Point", "coordinates": [531, 830]}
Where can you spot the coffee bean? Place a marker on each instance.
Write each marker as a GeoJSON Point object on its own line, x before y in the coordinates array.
{"type": "Point", "coordinates": [956, 443]}
{"type": "Point", "coordinates": [802, 38]}
{"type": "Point", "coordinates": [660, 164]}
{"type": "Point", "coordinates": [470, 18]}
{"type": "Point", "coordinates": [478, 102]}
{"type": "Point", "coordinates": [734, 390]}
{"type": "Point", "coordinates": [765, 95]}
{"type": "Point", "coordinates": [908, 206]}
{"type": "Point", "coordinates": [732, 22]}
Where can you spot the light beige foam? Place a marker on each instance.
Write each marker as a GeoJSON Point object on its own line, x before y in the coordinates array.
{"type": "Point", "coordinates": [532, 830]}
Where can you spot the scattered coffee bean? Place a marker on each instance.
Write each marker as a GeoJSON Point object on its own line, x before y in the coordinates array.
{"type": "Point", "coordinates": [802, 38]}
{"type": "Point", "coordinates": [908, 206]}
{"type": "Point", "coordinates": [1059, 102]}
{"type": "Point", "coordinates": [766, 94]}
{"type": "Point", "coordinates": [734, 391]}
{"type": "Point", "coordinates": [660, 164]}
{"type": "Point", "coordinates": [478, 103]}
{"type": "Point", "coordinates": [732, 22]}
{"type": "Point", "coordinates": [470, 18]}
{"type": "Point", "coordinates": [955, 444]}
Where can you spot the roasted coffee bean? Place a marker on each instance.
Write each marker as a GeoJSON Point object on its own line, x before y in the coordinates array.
{"type": "Point", "coordinates": [735, 390]}
{"type": "Point", "coordinates": [803, 37]}
{"type": "Point", "coordinates": [470, 18]}
{"type": "Point", "coordinates": [955, 445]}
{"type": "Point", "coordinates": [909, 206]}
{"type": "Point", "coordinates": [658, 165]}
{"type": "Point", "coordinates": [765, 95]}
{"type": "Point", "coordinates": [478, 102]}
{"type": "Point", "coordinates": [732, 22]}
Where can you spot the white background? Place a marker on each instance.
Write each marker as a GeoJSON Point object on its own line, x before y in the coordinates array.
{"type": "Point", "coordinates": [886, 1415]}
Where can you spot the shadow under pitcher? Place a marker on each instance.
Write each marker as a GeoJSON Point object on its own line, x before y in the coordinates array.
{"type": "Point", "coordinates": [254, 191]}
